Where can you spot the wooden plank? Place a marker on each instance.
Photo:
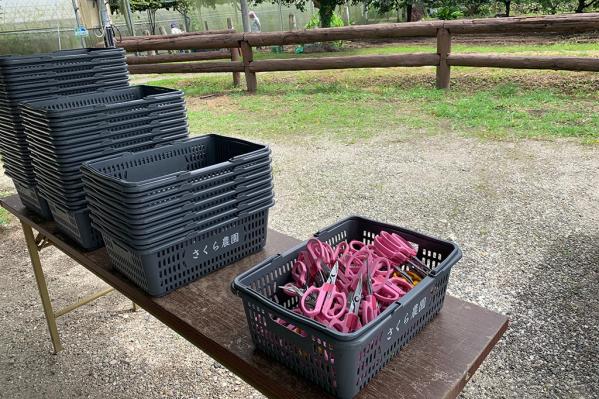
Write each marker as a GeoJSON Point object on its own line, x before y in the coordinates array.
{"type": "Point", "coordinates": [437, 363]}
{"type": "Point", "coordinates": [183, 34]}
{"type": "Point", "coordinates": [211, 41]}
{"type": "Point", "coordinates": [525, 62]}
{"type": "Point", "coordinates": [203, 67]}
{"type": "Point", "coordinates": [560, 23]}
{"type": "Point", "coordinates": [549, 23]}
{"type": "Point", "coordinates": [443, 50]}
{"type": "Point", "coordinates": [377, 31]}
{"type": "Point", "coordinates": [361, 61]}
{"type": "Point", "coordinates": [159, 59]}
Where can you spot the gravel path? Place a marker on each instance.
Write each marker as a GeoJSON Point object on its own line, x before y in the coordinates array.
{"type": "Point", "coordinates": [525, 214]}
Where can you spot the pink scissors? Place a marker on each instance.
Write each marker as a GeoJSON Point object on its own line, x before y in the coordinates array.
{"type": "Point", "coordinates": [350, 322]}
{"type": "Point", "coordinates": [319, 250]}
{"type": "Point", "coordinates": [395, 248]}
{"type": "Point", "coordinates": [299, 273]}
{"type": "Point", "coordinates": [369, 308]}
{"type": "Point", "coordinates": [329, 303]}
{"type": "Point", "coordinates": [389, 290]}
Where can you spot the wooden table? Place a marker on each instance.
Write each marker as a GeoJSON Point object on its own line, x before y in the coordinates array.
{"type": "Point", "coordinates": [435, 364]}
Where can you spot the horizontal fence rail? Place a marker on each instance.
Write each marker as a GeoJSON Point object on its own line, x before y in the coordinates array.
{"type": "Point", "coordinates": [526, 62]}
{"type": "Point", "coordinates": [240, 48]}
{"type": "Point", "coordinates": [159, 59]}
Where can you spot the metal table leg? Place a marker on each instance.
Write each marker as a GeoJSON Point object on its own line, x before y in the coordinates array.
{"type": "Point", "coordinates": [42, 287]}
{"type": "Point", "coordinates": [34, 245]}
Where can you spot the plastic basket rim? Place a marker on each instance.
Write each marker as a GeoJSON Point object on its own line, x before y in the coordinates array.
{"type": "Point", "coordinates": [40, 106]}
{"type": "Point", "coordinates": [239, 289]}
{"type": "Point", "coordinates": [160, 246]}
{"type": "Point", "coordinates": [140, 185]}
{"type": "Point", "coordinates": [12, 60]}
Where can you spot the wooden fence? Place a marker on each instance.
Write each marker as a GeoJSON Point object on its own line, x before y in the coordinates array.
{"type": "Point", "coordinates": [443, 59]}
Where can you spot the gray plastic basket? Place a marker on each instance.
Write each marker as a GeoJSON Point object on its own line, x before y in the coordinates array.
{"type": "Point", "coordinates": [342, 364]}
{"type": "Point", "coordinates": [182, 226]}
{"type": "Point", "coordinates": [32, 199]}
{"type": "Point", "coordinates": [163, 268]}
{"type": "Point", "coordinates": [188, 162]}
{"type": "Point", "coordinates": [76, 224]}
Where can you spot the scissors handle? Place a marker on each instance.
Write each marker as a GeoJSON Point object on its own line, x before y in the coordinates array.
{"type": "Point", "coordinates": [350, 323]}
{"type": "Point", "coordinates": [319, 297]}
{"type": "Point", "coordinates": [369, 309]}
{"type": "Point", "coordinates": [401, 283]}
{"type": "Point", "coordinates": [385, 292]}
{"type": "Point", "coordinates": [299, 273]}
{"type": "Point", "coordinates": [335, 305]}
{"type": "Point", "coordinates": [329, 302]}
{"type": "Point", "coordinates": [319, 250]}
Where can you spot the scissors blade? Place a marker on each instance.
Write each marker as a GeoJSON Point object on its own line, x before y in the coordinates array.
{"type": "Point", "coordinates": [333, 274]}
{"type": "Point", "coordinates": [356, 298]}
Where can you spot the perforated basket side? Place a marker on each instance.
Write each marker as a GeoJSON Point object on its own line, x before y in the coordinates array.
{"type": "Point", "coordinates": [161, 270]}
{"type": "Point", "coordinates": [76, 225]}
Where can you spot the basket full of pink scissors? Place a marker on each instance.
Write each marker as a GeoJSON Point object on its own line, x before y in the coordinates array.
{"type": "Point", "coordinates": [339, 306]}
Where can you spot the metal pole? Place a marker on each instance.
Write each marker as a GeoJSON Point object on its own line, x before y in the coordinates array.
{"type": "Point", "coordinates": [245, 18]}
{"type": "Point", "coordinates": [58, 34]}
{"type": "Point", "coordinates": [128, 19]}
{"type": "Point", "coordinates": [106, 23]}
{"type": "Point", "coordinates": [281, 15]}
{"type": "Point", "coordinates": [42, 287]}
{"type": "Point", "coordinates": [76, 9]}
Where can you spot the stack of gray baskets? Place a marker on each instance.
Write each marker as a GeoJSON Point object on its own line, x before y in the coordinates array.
{"type": "Point", "coordinates": [175, 213]}
{"type": "Point", "coordinates": [65, 131]}
{"type": "Point", "coordinates": [28, 78]}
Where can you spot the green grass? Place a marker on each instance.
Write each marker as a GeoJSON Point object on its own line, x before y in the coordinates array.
{"type": "Point", "coordinates": [3, 217]}
{"type": "Point", "coordinates": [360, 103]}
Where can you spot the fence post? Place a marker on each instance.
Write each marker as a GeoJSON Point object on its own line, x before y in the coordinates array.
{"type": "Point", "coordinates": [235, 56]}
{"type": "Point", "coordinates": [443, 49]}
{"type": "Point", "coordinates": [292, 23]}
{"type": "Point", "coordinates": [248, 57]}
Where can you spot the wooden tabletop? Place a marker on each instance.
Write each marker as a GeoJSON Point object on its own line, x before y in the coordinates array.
{"type": "Point", "coordinates": [437, 363]}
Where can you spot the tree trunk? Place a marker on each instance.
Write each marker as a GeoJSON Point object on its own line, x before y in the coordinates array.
{"type": "Point", "coordinates": [581, 6]}
{"type": "Point", "coordinates": [326, 10]}
{"type": "Point", "coordinates": [508, 4]}
{"type": "Point", "coordinates": [409, 12]}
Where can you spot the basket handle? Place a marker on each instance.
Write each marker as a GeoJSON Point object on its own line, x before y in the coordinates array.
{"type": "Point", "coordinates": [240, 159]}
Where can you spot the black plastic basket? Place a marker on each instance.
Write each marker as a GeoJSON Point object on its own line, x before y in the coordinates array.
{"type": "Point", "coordinates": [79, 79]}
{"type": "Point", "coordinates": [211, 158]}
{"type": "Point", "coordinates": [42, 78]}
{"type": "Point", "coordinates": [71, 162]}
{"type": "Point", "coordinates": [64, 138]}
{"type": "Point", "coordinates": [65, 88]}
{"type": "Point", "coordinates": [76, 224]}
{"type": "Point", "coordinates": [104, 102]}
{"type": "Point", "coordinates": [141, 204]}
{"type": "Point", "coordinates": [182, 226]}
{"type": "Point", "coordinates": [161, 269]}
{"type": "Point", "coordinates": [342, 364]}
{"type": "Point", "coordinates": [32, 199]}
{"type": "Point", "coordinates": [158, 211]}
{"type": "Point", "coordinates": [25, 64]}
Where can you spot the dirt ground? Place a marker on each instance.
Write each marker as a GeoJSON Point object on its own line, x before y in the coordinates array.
{"type": "Point", "coordinates": [525, 214]}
